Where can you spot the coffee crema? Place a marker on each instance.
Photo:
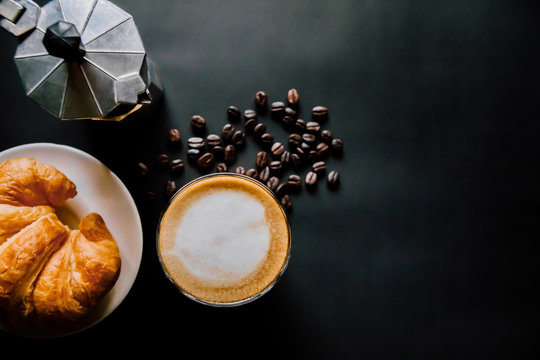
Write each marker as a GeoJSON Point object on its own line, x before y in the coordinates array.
{"type": "Point", "coordinates": [224, 239]}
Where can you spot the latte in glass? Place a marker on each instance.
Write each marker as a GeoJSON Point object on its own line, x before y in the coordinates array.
{"type": "Point", "coordinates": [224, 239]}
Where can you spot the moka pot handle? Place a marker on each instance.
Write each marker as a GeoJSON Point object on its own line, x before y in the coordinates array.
{"type": "Point", "coordinates": [18, 16]}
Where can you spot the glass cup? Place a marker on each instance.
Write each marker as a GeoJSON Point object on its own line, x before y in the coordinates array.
{"type": "Point", "coordinates": [224, 240]}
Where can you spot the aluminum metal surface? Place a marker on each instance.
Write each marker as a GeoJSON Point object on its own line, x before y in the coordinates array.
{"type": "Point", "coordinates": [10, 10]}
{"type": "Point", "coordinates": [19, 21]}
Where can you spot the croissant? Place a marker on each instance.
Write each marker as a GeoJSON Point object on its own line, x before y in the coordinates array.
{"type": "Point", "coordinates": [80, 273]}
{"type": "Point", "coordinates": [25, 181]}
{"type": "Point", "coordinates": [49, 273]}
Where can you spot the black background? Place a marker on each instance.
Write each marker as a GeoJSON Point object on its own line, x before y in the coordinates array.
{"type": "Point", "coordinates": [428, 249]}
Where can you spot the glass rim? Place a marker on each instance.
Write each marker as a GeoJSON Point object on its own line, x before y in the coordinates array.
{"type": "Point", "coordinates": [232, 303]}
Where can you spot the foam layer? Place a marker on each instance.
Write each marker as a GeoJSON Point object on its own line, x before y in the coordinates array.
{"type": "Point", "coordinates": [223, 239]}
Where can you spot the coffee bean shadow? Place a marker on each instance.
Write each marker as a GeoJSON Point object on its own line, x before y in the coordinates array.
{"type": "Point", "coordinates": [312, 189]}
{"type": "Point", "coordinates": [261, 110]}
{"type": "Point", "coordinates": [335, 188]}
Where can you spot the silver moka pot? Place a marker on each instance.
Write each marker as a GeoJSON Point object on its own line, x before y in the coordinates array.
{"type": "Point", "coordinates": [81, 59]}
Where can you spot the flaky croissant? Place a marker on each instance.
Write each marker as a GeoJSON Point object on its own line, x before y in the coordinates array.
{"type": "Point", "coordinates": [25, 181]}
{"type": "Point", "coordinates": [80, 273]}
{"type": "Point", "coordinates": [48, 272]}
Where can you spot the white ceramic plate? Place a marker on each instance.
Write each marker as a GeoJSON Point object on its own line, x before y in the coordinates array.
{"type": "Point", "coordinates": [98, 190]}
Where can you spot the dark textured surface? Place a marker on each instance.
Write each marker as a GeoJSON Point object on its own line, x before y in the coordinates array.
{"type": "Point", "coordinates": [428, 249]}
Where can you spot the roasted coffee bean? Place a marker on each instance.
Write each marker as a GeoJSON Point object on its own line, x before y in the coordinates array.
{"type": "Point", "coordinates": [239, 138]}
{"type": "Point", "coordinates": [286, 202]}
{"type": "Point", "coordinates": [295, 140]}
{"type": "Point", "coordinates": [229, 154]}
{"type": "Point", "coordinates": [333, 178]}
{"type": "Point", "coordinates": [264, 174]}
{"type": "Point", "coordinates": [252, 173]}
{"type": "Point", "coordinates": [296, 161]}
{"type": "Point", "coordinates": [322, 148]}
{"type": "Point", "coordinates": [261, 99]}
{"type": "Point", "coordinates": [326, 136]}
{"type": "Point", "coordinates": [300, 152]}
{"type": "Point", "coordinates": [262, 159]}
{"type": "Point", "coordinates": [277, 149]}
{"type": "Point", "coordinates": [337, 146]}
{"type": "Point", "coordinates": [313, 127]}
{"type": "Point", "coordinates": [277, 108]}
{"type": "Point", "coordinates": [249, 125]}
{"type": "Point", "coordinates": [162, 160]}
{"type": "Point", "coordinates": [219, 152]}
{"type": "Point", "coordinates": [292, 97]}
{"type": "Point", "coordinates": [306, 147]}
{"type": "Point", "coordinates": [240, 170]}
{"type": "Point", "coordinates": [174, 137]}
{"type": "Point", "coordinates": [314, 156]}
{"type": "Point", "coordinates": [300, 126]}
{"type": "Point", "coordinates": [193, 155]}
{"type": "Point", "coordinates": [250, 114]}
{"type": "Point", "coordinates": [213, 140]}
{"type": "Point", "coordinates": [170, 188]}
{"type": "Point", "coordinates": [286, 158]}
{"type": "Point", "coordinates": [205, 161]}
{"type": "Point", "coordinates": [221, 167]}
{"type": "Point", "coordinates": [291, 112]}
{"type": "Point", "coordinates": [142, 168]}
{"type": "Point", "coordinates": [267, 140]}
{"type": "Point", "coordinates": [276, 166]}
{"type": "Point", "coordinates": [227, 132]}
{"type": "Point", "coordinates": [198, 123]}
{"type": "Point", "coordinates": [259, 130]}
{"type": "Point", "coordinates": [281, 190]}
{"type": "Point", "coordinates": [273, 183]}
{"type": "Point", "coordinates": [319, 112]}
{"type": "Point", "coordinates": [319, 167]}
{"type": "Point", "coordinates": [233, 113]}
{"type": "Point", "coordinates": [195, 142]}
{"type": "Point", "coordinates": [176, 166]}
{"type": "Point", "coordinates": [294, 182]}
{"type": "Point", "coordinates": [288, 121]}
{"type": "Point", "coordinates": [309, 138]}
{"type": "Point", "coordinates": [311, 178]}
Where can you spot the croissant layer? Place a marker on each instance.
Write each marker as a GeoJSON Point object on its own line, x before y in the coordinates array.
{"type": "Point", "coordinates": [15, 218]}
{"type": "Point", "coordinates": [22, 258]}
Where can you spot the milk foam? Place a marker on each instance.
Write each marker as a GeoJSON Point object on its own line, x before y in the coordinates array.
{"type": "Point", "coordinates": [224, 236]}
